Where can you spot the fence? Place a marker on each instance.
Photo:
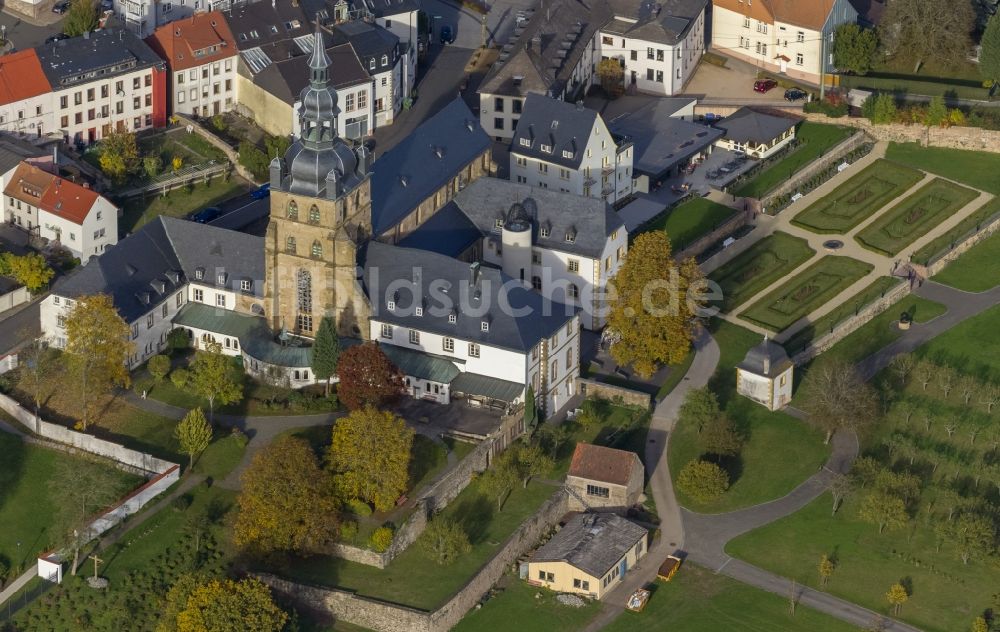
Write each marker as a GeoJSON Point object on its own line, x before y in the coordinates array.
{"type": "Point", "coordinates": [611, 392]}
{"type": "Point", "coordinates": [834, 155]}
{"type": "Point", "coordinates": [384, 616]}
{"type": "Point", "coordinates": [13, 298]}
{"type": "Point", "coordinates": [190, 175]}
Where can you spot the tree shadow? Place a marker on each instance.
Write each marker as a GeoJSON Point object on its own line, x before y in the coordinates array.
{"type": "Point", "coordinates": [732, 465]}
{"type": "Point", "coordinates": [474, 515]}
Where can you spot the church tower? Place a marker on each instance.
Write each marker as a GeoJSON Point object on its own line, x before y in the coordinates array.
{"type": "Point", "coordinates": [321, 215]}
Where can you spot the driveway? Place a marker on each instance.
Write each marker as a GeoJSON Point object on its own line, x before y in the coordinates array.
{"type": "Point", "coordinates": [732, 83]}
{"type": "Point", "coordinates": [24, 35]}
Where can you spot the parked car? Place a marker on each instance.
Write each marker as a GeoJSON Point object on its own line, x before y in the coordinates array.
{"type": "Point", "coordinates": [712, 117]}
{"type": "Point", "coordinates": [794, 94]}
{"type": "Point", "coordinates": [447, 37]}
{"type": "Point", "coordinates": [261, 192]}
{"type": "Point", "coordinates": [55, 38]}
{"type": "Point", "coordinates": [763, 85]}
{"type": "Point", "coordinates": [206, 214]}
{"type": "Point", "coordinates": [107, 5]}
{"type": "Point", "coordinates": [60, 7]}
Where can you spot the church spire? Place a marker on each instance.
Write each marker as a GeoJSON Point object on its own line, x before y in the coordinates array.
{"type": "Point", "coordinates": [319, 62]}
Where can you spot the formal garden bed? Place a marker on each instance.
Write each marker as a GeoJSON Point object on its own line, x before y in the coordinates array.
{"type": "Point", "coordinates": [691, 220]}
{"type": "Point", "coordinates": [915, 216]}
{"type": "Point", "coordinates": [806, 292]}
{"type": "Point", "coordinates": [814, 140]}
{"type": "Point", "coordinates": [778, 203]}
{"type": "Point", "coordinates": [857, 199]}
{"type": "Point", "coordinates": [976, 270]}
{"type": "Point", "coordinates": [939, 246]}
{"type": "Point", "coordinates": [759, 266]}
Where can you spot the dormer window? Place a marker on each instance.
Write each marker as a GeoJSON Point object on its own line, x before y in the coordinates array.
{"type": "Point", "coordinates": [543, 232]}
{"type": "Point", "coordinates": [391, 305]}
{"type": "Point", "coordinates": [525, 142]}
{"type": "Point", "coordinates": [246, 285]}
{"type": "Point", "coordinates": [221, 278]}
{"type": "Point", "coordinates": [567, 154]}
{"type": "Point", "coordinates": [199, 274]}
{"type": "Point", "coordinates": [452, 318]}
{"type": "Point", "coordinates": [420, 311]}
{"type": "Point", "coordinates": [498, 223]}
{"type": "Point", "coordinates": [547, 149]}
{"type": "Point", "coordinates": [371, 64]}
{"type": "Point", "coordinates": [570, 238]}
{"type": "Point", "coordinates": [485, 325]}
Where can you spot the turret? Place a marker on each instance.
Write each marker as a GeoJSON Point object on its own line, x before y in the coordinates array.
{"type": "Point", "coordinates": [516, 239]}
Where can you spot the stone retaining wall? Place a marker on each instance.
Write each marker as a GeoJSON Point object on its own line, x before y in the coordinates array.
{"type": "Point", "coordinates": [384, 616]}
{"type": "Point", "coordinates": [630, 397]}
{"type": "Point", "coordinates": [231, 154]}
{"type": "Point", "coordinates": [941, 262]}
{"type": "Point", "coordinates": [971, 138]}
{"type": "Point", "coordinates": [730, 226]}
{"type": "Point", "coordinates": [837, 153]}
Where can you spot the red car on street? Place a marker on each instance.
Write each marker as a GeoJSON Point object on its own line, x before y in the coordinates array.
{"type": "Point", "coordinates": [763, 85]}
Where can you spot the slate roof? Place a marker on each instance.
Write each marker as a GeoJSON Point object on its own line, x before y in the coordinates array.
{"type": "Point", "coordinates": [423, 366]}
{"type": "Point", "coordinates": [259, 23]}
{"type": "Point", "coordinates": [286, 79]}
{"type": "Point", "coordinates": [161, 257]}
{"type": "Point", "coordinates": [370, 42]}
{"type": "Point", "coordinates": [13, 151]}
{"type": "Point", "coordinates": [178, 41]}
{"type": "Point", "coordinates": [21, 77]}
{"type": "Point", "coordinates": [665, 22]}
{"type": "Point", "coordinates": [387, 8]}
{"type": "Point", "coordinates": [425, 275]}
{"type": "Point", "coordinates": [598, 463]}
{"type": "Point", "coordinates": [105, 52]}
{"type": "Point", "coordinates": [767, 354]}
{"type": "Point", "coordinates": [448, 232]}
{"type": "Point", "coordinates": [592, 542]}
{"type": "Point", "coordinates": [590, 220]}
{"type": "Point", "coordinates": [423, 162]}
{"type": "Point", "coordinates": [660, 141]}
{"type": "Point", "coordinates": [561, 126]}
{"type": "Point", "coordinates": [749, 125]}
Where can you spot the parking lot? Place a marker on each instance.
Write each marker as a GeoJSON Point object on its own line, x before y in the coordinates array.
{"type": "Point", "coordinates": [732, 83]}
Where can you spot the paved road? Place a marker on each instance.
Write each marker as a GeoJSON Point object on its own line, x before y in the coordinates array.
{"type": "Point", "coordinates": [20, 326]}
{"type": "Point", "coordinates": [240, 212]}
{"type": "Point", "coordinates": [24, 35]}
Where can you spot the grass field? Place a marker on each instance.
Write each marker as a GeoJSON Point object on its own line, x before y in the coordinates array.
{"type": "Point", "coordinates": [848, 308]}
{"type": "Point", "coordinates": [687, 222]}
{"type": "Point", "coordinates": [964, 228]}
{"type": "Point", "coordinates": [972, 346]}
{"type": "Point", "coordinates": [977, 270]}
{"type": "Point", "coordinates": [26, 506]}
{"type": "Point", "coordinates": [915, 216]}
{"type": "Point", "coordinates": [806, 293]}
{"type": "Point", "coordinates": [759, 266]}
{"type": "Point", "coordinates": [857, 199]}
{"type": "Point", "coordinates": [816, 139]}
{"type": "Point", "coordinates": [179, 202]}
{"type": "Point", "coordinates": [973, 168]}
{"type": "Point", "coordinates": [514, 607]}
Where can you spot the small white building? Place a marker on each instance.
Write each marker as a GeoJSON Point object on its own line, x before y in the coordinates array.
{"type": "Point", "coordinates": [58, 210]}
{"type": "Point", "coordinates": [759, 134]}
{"type": "Point", "coordinates": [765, 375]}
{"type": "Point", "coordinates": [378, 50]}
{"type": "Point", "coordinates": [568, 148]}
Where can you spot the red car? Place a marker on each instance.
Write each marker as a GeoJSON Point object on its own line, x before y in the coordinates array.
{"type": "Point", "coordinates": [763, 85]}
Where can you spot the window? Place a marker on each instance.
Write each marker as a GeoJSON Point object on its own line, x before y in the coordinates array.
{"type": "Point", "coordinates": [582, 584]}
{"type": "Point", "coordinates": [799, 59]}
{"type": "Point", "coordinates": [293, 210]}
{"type": "Point", "coordinates": [659, 55]}
{"type": "Point", "coordinates": [371, 64]}
{"type": "Point", "coordinates": [290, 245]}
{"type": "Point", "coordinates": [564, 173]}
{"type": "Point", "coordinates": [518, 104]}
{"type": "Point", "coordinates": [349, 102]}
{"type": "Point", "coordinates": [135, 330]}
{"type": "Point", "coordinates": [419, 311]}
{"type": "Point", "coordinates": [659, 76]}
{"type": "Point", "coordinates": [199, 295]}
{"type": "Point", "coordinates": [391, 305]}
{"type": "Point", "coordinates": [649, 53]}
{"type": "Point", "coordinates": [555, 369]}
{"type": "Point", "coordinates": [573, 291]}
{"type": "Point", "coordinates": [304, 285]}
{"type": "Point", "coordinates": [387, 331]}
{"type": "Point", "coordinates": [55, 300]}
{"type": "Point", "coordinates": [547, 149]}
{"type": "Point", "coordinates": [543, 232]}
{"type": "Point", "coordinates": [607, 40]}
{"type": "Point", "coordinates": [220, 300]}
{"type": "Point", "coordinates": [649, 74]}
{"type": "Point", "coordinates": [498, 105]}
{"type": "Point", "coordinates": [800, 36]}
{"type": "Point", "coordinates": [570, 237]}
{"type": "Point", "coordinates": [498, 223]}
{"type": "Point", "coordinates": [498, 123]}
{"type": "Point", "coordinates": [61, 321]}
{"type": "Point", "coordinates": [452, 318]}
{"type": "Point", "coordinates": [304, 322]}
{"type": "Point", "coordinates": [385, 60]}
{"type": "Point", "coordinates": [178, 299]}
{"type": "Point", "coordinates": [635, 55]}
{"type": "Point", "coordinates": [180, 96]}
{"type": "Point", "coordinates": [473, 350]}
{"type": "Point", "coordinates": [317, 250]}
{"type": "Point", "coordinates": [63, 102]}
{"type": "Point", "coordinates": [600, 492]}
{"type": "Point", "coordinates": [414, 337]}
{"type": "Point", "coordinates": [573, 265]}
{"type": "Point", "coordinates": [536, 257]}
{"type": "Point", "coordinates": [746, 23]}
{"type": "Point", "coordinates": [362, 100]}
{"type": "Point", "coordinates": [521, 160]}
{"type": "Point", "coordinates": [536, 283]}
{"type": "Point", "coordinates": [314, 214]}
{"type": "Point", "coordinates": [246, 285]}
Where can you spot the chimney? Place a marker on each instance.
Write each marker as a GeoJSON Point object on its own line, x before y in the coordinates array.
{"type": "Point", "coordinates": [86, 185]}
{"type": "Point", "coordinates": [474, 273]}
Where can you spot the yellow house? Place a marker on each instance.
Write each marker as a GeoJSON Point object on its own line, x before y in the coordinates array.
{"type": "Point", "coordinates": [589, 556]}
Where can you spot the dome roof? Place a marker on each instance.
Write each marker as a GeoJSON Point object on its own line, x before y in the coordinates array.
{"type": "Point", "coordinates": [768, 359]}
{"type": "Point", "coordinates": [518, 218]}
{"type": "Point", "coordinates": [310, 168]}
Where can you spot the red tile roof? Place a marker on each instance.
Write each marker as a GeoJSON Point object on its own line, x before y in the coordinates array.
{"type": "Point", "coordinates": [56, 195]}
{"type": "Point", "coordinates": [21, 77]}
{"type": "Point", "coordinates": [178, 41]}
{"type": "Point", "coordinates": [597, 463]}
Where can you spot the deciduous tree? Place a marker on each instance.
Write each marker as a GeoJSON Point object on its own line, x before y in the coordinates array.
{"type": "Point", "coordinates": [36, 368]}
{"type": "Point", "coordinates": [368, 377]}
{"type": "Point", "coordinates": [973, 536]}
{"type": "Point", "coordinates": [989, 57]}
{"type": "Point", "coordinates": [825, 569]}
{"type": "Point", "coordinates": [612, 76]}
{"type": "Point", "coordinates": [444, 540]}
{"type": "Point", "coordinates": [700, 407]}
{"type": "Point", "coordinates": [214, 378]}
{"type": "Point", "coordinates": [370, 456]}
{"type": "Point", "coordinates": [193, 433]}
{"type": "Point", "coordinates": [854, 49]}
{"type": "Point", "coordinates": [158, 367]}
{"type": "Point", "coordinates": [927, 29]}
{"type": "Point", "coordinates": [119, 155]}
{"type": "Point", "coordinates": [903, 365]}
{"type": "Point", "coordinates": [227, 605]}
{"type": "Point", "coordinates": [896, 597]}
{"type": "Point", "coordinates": [97, 345]}
{"type": "Point", "coordinates": [287, 502]}
{"type": "Point", "coordinates": [924, 372]}
{"type": "Point", "coordinates": [594, 411]}
{"type": "Point", "coordinates": [865, 470]}
{"type": "Point", "coordinates": [326, 352]}
{"type": "Point", "coordinates": [501, 477]}
{"type": "Point", "coordinates": [30, 270]}
{"type": "Point", "coordinates": [837, 398]}
{"type": "Point", "coordinates": [883, 510]}
{"type": "Point", "coordinates": [654, 313]}
{"type": "Point", "coordinates": [531, 461]}
{"type": "Point", "coordinates": [979, 624]}
{"type": "Point", "coordinates": [720, 437]}
{"type": "Point", "coordinates": [702, 480]}
{"type": "Point", "coordinates": [81, 18]}
{"type": "Point", "coordinates": [937, 113]}
{"type": "Point", "coordinates": [840, 486]}
{"type": "Point", "coordinates": [554, 436]}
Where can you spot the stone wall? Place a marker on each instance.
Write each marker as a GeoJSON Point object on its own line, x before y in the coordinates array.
{"type": "Point", "coordinates": [833, 156]}
{"type": "Point", "coordinates": [730, 226]}
{"type": "Point", "coordinates": [592, 388]}
{"type": "Point", "coordinates": [852, 324]}
{"type": "Point", "coordinates": [231, 154]}
{"type": "Point", "coordinates": [941, 262]}
{"type": "Point", "coordinates": [384, 616]}
{"type": "Point", "coordinates": [971, 138]}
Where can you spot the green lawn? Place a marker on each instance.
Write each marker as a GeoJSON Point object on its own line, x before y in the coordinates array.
{"type": "Point", "coordinates": [515, 607]}
{"type": "Point", "coordinates": [963, 229]}
{"type": "Point", "coordinates": [915, 216]}
{"type": "Point", "coordinates": [973, 168]}
{"type": "Point", "coordinates": [190, 148]}
{"type": "Point", "coordinates": [948, 87]}
{"type": "Point", "coordinates": [848, 308]}
{"type": "Point", "coordinates": [807, 292]}
{"type": "Point", "coordinates": [759, 266]}
{"type": "Point", "coordinates": [415, 580]}
{"type": "Point", "coordinates": [972, 346]}
{"type": "Point", "coordinates": [26, 506]}
{"type": "Point", "coordinates": [977, 270]}
{"type": "Point", "coordinates": [697, 600]}
{"type": "Point", "coordinates": [815, 138]}
{"type": "Point", "coordinates": [179, 202]}
{"type": "Point", "coordinates": [857, 199]}
{"type": "Point", "coordinates": [688, 222]}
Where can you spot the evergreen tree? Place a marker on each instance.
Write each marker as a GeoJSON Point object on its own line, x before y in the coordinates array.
{"type": "Point", "coordinates": [326, 352]}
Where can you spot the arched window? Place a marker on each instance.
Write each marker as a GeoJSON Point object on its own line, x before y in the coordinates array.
{"type": "Point", "coordinates": [317, 250]}
{"type": "Point", "coordinates": [290, 245]}
{"type": "Point", "coordinates": [293, 210]}
{"type": "Point", "coordinates": [314, 214]}
{"type": "Point", "coordinates": [303, 282]}
{"type": "Point", "coordinates": [385, 59]}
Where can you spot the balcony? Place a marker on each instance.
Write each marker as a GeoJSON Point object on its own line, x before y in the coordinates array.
{"type": "Point", "coordinates": [607, 170]}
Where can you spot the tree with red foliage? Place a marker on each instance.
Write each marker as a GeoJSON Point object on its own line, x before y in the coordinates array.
{"type": "Point", "coordinates": [368, 377]}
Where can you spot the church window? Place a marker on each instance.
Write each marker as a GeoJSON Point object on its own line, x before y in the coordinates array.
{"type": "Point", "coordinates": [317, 250]}
{"type": "Point", "coordinates": [290, 245]}
{"type": "Point", "coordinates": [293, 210]}
{"type": "Point", "coordinates": [305, 323]}
{"type": "Point", "coordinates": [304, 287]}
{"type": "Point", "coordinates": [314, 214]}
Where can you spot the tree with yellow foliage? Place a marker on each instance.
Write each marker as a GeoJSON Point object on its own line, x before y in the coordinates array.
{"type": "Point", "coordinates": [896, 597]}
{"type": "Point", "coordinates": [653, 312]}
{"type": "Point", "coordinates": [370, 456]}
{"type": "Point", "coordinates": [194, 605]}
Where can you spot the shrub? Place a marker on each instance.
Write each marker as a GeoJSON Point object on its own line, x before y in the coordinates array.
{"type": "Point", "coordinates": [348, 530]}
{"type": "Point", "coordinates": [177, 163]}
{"type": "Point", "coordinates": [143, 386]}
{"type": "Point", "coordinates": [182, 502]}
{"type": "Point", "coordinates": [702, 480]}
{"type": "Point", "coordinates": [158, 366]}
{"type": "Point", "coordinates": [178, 340]}
{"type": "Point", "coordinates": [359, 508]}
{"type": "Point", "coordinates": [180, 377]}
{"type": "Point", "coordinates": [832, 110]}
{"type": "Point", "coordinates": [219, 123]}
{"type": "Point", "coordinates": [381, 539]}
{"type": "Point", "coordinates": [253, 159]}
{"type": "Point", "coordinates": [241, 438]}
{"type": "Point", "coordinates": [152, 165]}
